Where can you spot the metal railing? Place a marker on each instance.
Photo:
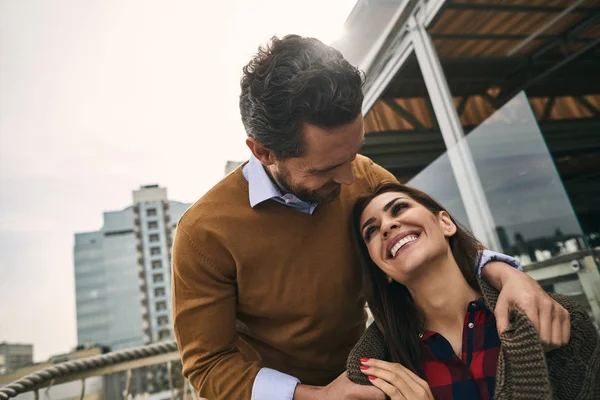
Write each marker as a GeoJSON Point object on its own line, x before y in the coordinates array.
{"type": "Point", "coordinates": [80, 369]}
{"type": "Point", "coordinates": [580, 264]}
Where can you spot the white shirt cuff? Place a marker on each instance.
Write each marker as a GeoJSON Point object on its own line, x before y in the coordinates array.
{"type": "Point", "coordinates": [489, 255]}
{"type": "Point", "coordinates": [270, 384]}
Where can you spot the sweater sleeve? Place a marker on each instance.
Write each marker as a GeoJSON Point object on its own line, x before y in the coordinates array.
{"type": "Point", "coordinates": [204, 315]}
{"type": "Point", "coordinates": [575, 368]}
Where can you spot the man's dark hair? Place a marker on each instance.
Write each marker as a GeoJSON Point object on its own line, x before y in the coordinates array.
{"type": "Point", "coordinates": [297, 80]}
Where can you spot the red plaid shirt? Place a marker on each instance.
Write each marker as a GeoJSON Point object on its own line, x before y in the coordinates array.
{"type": "Point", "coordinates": [473, 376]}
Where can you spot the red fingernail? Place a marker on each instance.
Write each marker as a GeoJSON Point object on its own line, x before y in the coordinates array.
{"type": "Point", "coordinates": [371, 377]}
{"type": "Point", "coordinates": [364, 359]}
{"type": "Point", "coordinates": [363, 367]}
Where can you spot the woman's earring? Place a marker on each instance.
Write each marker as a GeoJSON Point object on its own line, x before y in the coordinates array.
{"type": "Point", "coordinates": [389, 279]}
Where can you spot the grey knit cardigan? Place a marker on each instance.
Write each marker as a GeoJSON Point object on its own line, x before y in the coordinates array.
{"type": "Point", "coordinates": [524, 370]}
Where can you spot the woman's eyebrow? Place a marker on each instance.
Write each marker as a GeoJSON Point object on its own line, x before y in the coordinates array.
{"type": "Point", "coordinates": [391, 203]}
{"type": "Point", "coordinates": [368, 222]}
{"type": "Point", "coordinates": [385, 208]}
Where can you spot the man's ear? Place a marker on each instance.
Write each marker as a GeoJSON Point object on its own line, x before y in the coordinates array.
{"type": "Point", "coordinates": [448, 227]}
{"type": "Point", "coordinates": [262, 154]}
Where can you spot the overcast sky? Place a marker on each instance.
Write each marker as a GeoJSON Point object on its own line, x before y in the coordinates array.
{"type": "Point", "coordinates": [98, 97]}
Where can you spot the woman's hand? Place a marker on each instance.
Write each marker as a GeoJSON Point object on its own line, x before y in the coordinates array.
{"type": "Point", "coordinates": [395, 380]}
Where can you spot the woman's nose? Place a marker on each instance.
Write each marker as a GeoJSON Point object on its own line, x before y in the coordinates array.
{"type": "Point", "coordinates": [388, 228]}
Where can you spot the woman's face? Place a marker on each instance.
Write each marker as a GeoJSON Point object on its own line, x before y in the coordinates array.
{"type": "Point", "coordinates": [402, 235]}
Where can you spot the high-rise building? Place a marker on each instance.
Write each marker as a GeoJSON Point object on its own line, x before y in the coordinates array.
{"type": "Point", "coordinates": [123, 273]}
{"type": "Point", "coordinates": [14, 356]}
{"type": "Point", "coordinates": [155, 218]}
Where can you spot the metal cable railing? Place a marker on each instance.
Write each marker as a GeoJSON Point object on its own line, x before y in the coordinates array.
{"type": "Point", "coordinates": [47, 376]}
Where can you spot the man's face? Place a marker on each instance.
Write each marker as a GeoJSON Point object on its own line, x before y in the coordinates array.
{"type": "Point", "coordinates": [317, 176]}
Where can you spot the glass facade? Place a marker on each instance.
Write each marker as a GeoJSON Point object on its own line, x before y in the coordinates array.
{"type": "Point", "coordinates": [107, 287]}
{"type": "Point", "coordinates": [532, 216]}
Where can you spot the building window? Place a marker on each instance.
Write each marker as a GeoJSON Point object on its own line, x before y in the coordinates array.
{"type": "Point", "coordinates": [163, 320]}
{"type": "Point", "coordinates": [164, 334]}
{"type": "Point", "coordinates": [151, 212]}
{"type": "Point", "coordinates": [159, 292]}
{"type": "Point", "coordinates": [161, 305]}
{"type": "Point", "coordinates": [157, 264]}
{"type": "Point", "coordinates": [152, 225]}
{"type": "Point", "coordinates": [154, 237]}
{"type": "Point", "coordinates": [154, 251]}
{"type": "Point", "coordinates": [157, 278]}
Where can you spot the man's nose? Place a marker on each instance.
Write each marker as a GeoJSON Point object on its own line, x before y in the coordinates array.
{"type": "Point", "coordinates": [345, 175]}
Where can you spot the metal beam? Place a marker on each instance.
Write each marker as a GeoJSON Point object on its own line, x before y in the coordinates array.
{"type": "Point", "coordinates": [590, 22]}
{"type": "Point", "coordinates": [377, 62]}
{"type": "Point", "coordinates": [548, 72]}
{"type": "Point", "coordinates": [584, 102]}
{"type": "Point", "coordinates": [398, 109]}
{"type": "Point", "coordinates": [399, 18]}
{"type": "Point", "coordinates": [462, 105]}
{"type": "Point", "coordinates": [501, 36]}
{"type": "Point", "coordinates": [551, 272]}
{"type": "Point", "coordinates": [491, 101]}
{"type": "Point", "coordinates": [431, 111]}
{"type": "Point", "coordinates": [397, 56]}
{"type": "Point", "coordinates": [590, 281]}
{"type": "Point", "coordinates": [548, 108]}
{"type": "Point", "coordinates": [534, 58]}
{"type": "Point", "coordinates": [515, 8]}
{"type": "Point", "coordinates": [461, 160]}
{"type": "Point", "coordinates": [544, 27]}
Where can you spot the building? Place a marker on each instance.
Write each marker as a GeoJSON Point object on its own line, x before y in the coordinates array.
{"type": "Point", "coordinates": [493, 108]}
{"type": "Point", "coordinates": [14, 356]}
{"type": "Point", "coordinates": [122, 273]}
{"type": "Point", "coordinates": [123, 281]}
{"type": "Point", "coordinates": [155, 219]}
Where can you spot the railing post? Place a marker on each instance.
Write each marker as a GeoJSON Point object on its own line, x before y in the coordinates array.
{"type": "Point", "coordinates": [589, 277]}
{"type": "Point", "coordinates": [47, 391]}
{"type": "Point", "coordinates": [82, 395]}
{"type": "Point", "coordinates": [127, 386]}
{"type": "Point", "coordinates": [170, 373]}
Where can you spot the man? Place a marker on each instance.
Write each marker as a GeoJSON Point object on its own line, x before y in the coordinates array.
{"type": "Point", "coordinates": [266, 283]}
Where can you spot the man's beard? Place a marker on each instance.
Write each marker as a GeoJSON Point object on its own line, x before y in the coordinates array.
{"type": "Point", "coordinates": [331, 190]}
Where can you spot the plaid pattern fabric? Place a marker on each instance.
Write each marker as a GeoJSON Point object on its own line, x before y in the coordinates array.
{"type": "Point", "coordinates": [473, 376]}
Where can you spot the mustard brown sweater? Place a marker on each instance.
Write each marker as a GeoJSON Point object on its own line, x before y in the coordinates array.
{"type": "Point", "coordinates": [267, 287]}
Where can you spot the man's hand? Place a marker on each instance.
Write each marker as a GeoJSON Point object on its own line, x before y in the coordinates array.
{"type": "Point", "coordinates": [341, 388]}
{"type": "Point", "coordinates": [517, 289]}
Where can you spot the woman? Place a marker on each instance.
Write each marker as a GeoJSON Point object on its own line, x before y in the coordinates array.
{"type": "Point", "coordinates": [435, 333]}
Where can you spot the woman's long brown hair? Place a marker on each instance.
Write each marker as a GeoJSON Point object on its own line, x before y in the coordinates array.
{"type": "Point", "coordinates": [392, 305]}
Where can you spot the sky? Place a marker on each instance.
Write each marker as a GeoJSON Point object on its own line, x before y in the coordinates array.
{"type": "Point", "coordinates": [98, 97]}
